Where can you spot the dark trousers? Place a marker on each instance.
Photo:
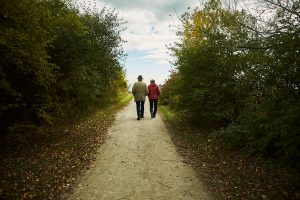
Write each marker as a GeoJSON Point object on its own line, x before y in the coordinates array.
{"type": "Point", "coordinates": [153, 106]}
{"type": "Point", "coordinates": [140, 108]}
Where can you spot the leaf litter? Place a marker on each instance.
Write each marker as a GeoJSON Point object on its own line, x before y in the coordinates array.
{"type": "Point", "coordinates": [231, 174]}
{"type": "Point", "coordinates": [46, 166]}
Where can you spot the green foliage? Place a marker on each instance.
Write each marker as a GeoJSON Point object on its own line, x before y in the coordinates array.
{"type": "Point", "coordinates": [240, 75]}
{"type": "Point", "coordinates": [169, 95]}
{"type": "Point", "coordinates": [207, 65]}
{"type": "Point", "coordinates": [26, 75]}
{"type": "Point", "coordinates": [56, 60]}
{"type": "Point", "coordinates": [267, 130]}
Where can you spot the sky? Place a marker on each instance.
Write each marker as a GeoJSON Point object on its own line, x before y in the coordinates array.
{"type": "Point", "coordinates": [150, 27]}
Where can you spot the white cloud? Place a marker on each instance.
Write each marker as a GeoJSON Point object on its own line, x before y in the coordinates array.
{"type": "Point", "coordinates": [158, 56]}
{"type": "Point", "coordinates": [148, 28]}
{"type": "Point", "coordinates": [148, 21]}
{"type": "Point", "coordinates": [146, 33]}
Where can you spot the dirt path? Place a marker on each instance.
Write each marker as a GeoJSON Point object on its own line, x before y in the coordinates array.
{"type": "Point", "coordinates": [138, 161]}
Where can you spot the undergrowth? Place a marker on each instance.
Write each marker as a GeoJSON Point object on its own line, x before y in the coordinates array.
{"type": "Point", "coordinates": [228, 173]}
{"type": "Point", "coordinates": [46, 166]}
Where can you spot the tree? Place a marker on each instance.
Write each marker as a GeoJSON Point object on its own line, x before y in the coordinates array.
{"type": "Point", "coordinates": [56, 60]}
{"type": "Point", "coordinates": [207, 62]}
{"type": "Point", "coordinates": [241, 72]}
{"type": "Point", "coordinates": [26, 74]}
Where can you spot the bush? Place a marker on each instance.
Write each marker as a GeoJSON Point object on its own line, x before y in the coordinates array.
{"type": "Point", "coordinates": [56, 61]}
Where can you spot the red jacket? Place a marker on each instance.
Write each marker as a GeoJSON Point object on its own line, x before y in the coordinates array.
{"type": "Point", "coordinates": [153, 91]}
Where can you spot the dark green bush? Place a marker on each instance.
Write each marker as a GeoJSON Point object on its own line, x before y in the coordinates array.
{"type": "Point", "coordinates": [56, 61]}
{"type": "Point", "coordinates": [234, 73]}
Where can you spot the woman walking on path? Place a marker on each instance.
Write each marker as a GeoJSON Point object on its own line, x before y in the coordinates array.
{"type": "Point", "coordinates": [153, 97]}
{"type": "Point", "coordinates": [139, 91]}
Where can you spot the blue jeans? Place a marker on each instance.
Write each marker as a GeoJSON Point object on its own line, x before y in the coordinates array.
{"type": "Point", "coordinates": [140, 108]}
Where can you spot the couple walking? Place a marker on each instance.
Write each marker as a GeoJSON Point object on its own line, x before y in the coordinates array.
{"type": "Point", "coordinates": [140, 91]}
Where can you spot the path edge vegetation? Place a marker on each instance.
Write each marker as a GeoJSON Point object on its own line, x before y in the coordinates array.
{"type": "Point", "coordinates": [228, 173]}
{"type": "Point", "coordinates": [62, 78]}
{"type": "Point", "coordinates": [236, 74]}
{"type": "Point", "coordinates": [49, 167]}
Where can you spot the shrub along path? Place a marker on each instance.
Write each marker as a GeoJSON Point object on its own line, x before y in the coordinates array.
{"type": "Point", "coordinates": [228, 173]}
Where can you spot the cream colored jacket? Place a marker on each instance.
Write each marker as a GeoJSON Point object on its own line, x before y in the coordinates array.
{"type": "Point", "coordinates": [139, 91]}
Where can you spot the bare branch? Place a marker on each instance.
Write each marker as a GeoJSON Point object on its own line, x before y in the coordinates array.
{"type": "Point", "coordinates": [278, 4]}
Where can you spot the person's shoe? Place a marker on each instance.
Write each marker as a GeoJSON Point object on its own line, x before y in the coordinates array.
{"type": "Point", "coordinates": [152, 115]}
{"type": "Point", "coordinates": [142, 116]}
{"type": "Point", "coordinates": [138, 118]}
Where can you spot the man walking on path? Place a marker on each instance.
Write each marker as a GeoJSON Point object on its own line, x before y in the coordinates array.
{"type": "Point", "coordinates": [139, 91]}
{"type": "Point", "coordinates": [153, 97]}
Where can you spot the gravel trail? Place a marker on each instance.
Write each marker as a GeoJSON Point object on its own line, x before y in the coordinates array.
{"type": "Point", "coordinates": [138, 161]}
